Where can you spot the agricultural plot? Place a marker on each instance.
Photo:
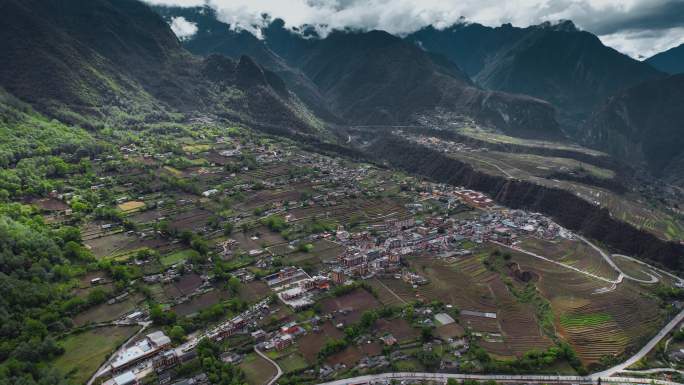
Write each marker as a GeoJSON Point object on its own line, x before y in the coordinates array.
{"type": "Point", "coordinates": [453, 330]}
{"type": "Point", "coordinates": [596, 325]}
{"type": "Point", "coordinates": [349, 307]}
{"type": "Point", "coordinates": [518, 323]}
{"type": "Point", "coordinates": [495, 137]}
{"type": "Point", "coordinates": [310, 344]}
{"type": "Point", "coordinates": [130, 206]}
{"type": "Point", "coordinates": [265, 197]}
{"type": "Point", "coordinates": [254, 291]}
{"type": "Point", "coordinates": [82, 292]}
{"type": "Point", "coordinates": [463, 283]}
{"type": "Point", "coordinates": [291, 362]}
{"type": "Point", "coordinates": [157, 293]}
{"type": "Point", "coordinates": [105, 312]}
{"type": "Point", "coordinates": [50, 204]}
{"type": "Point", "coordinates": [609, 324]}
{"type": "Point", "coordinates": [479, 324]}
{"type": "Point", "coordinates": [257, 238]}
{"type": "Point", "coordinates": [257, 370]}
{"type": "Point", "coordinates": [322, 250]}
{"type": "Point", "coordinates": [176, 257]}
{"type": "Point", "coordinates": [148, 216]}
{"type": "Point", "coordinates": [83, 285]}
{"type": "Point", "coordinates": [187, 284]}
{"type": "Point", "coordinates": [117, 244]}
{"type": "Point", "coordinates": [542, 166]}
{"type": "Point", "coordinates": [84, 352]}
{"type": "Point", "coordinates": [200, 302]}
{"type": "Point", "coordinates": [355, 211]}
{"type": "Point", "coordinates": [196, 148]}
{"type": "Point", "coordinates": [399, 328]}
{"type": "Point", "coordinates": [392, 292]}
{"type": "Point", "coordinates": [267, 172]}
{"type": "Point", "coordinates": [192, 220]}
{"type": "Point", "coordinates": [352, 354]}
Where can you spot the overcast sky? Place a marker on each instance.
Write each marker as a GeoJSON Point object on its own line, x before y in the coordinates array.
{"type": "Point", "coordinates": [639, 28]}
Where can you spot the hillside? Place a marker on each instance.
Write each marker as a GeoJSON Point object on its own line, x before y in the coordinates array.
{"type": "Point", "coordinates": [670, 61]}
{"type": "Point", "coordinates": [559, 63]}
{"type": "Point", "coordinates": [643, 124]}
{"type": "Point", "coordinates": [25, 133]}
{"type": "Point", "coordinates": [86, 61]}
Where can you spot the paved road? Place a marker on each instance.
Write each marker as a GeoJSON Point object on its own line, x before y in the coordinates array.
{"type": "Point", "coordinates": [647, 348]}
{"type": "Point", "coordinates": [652, 268]}
{"type": "Point", "coordinates": [385, 378]}
{"type": "Point", "coordinates": [280, 371]}
{"type": "Point", "coordinates": [518, 249]}
{"type": "Point", "coordinates": [610, 261]}
{"type": "Point", "coordinates": [655, 370]}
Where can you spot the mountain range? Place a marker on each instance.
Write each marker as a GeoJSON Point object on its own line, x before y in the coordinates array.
{"type": "Point", "coordinates": [97, 62]}
{"type": "Point", "coordinates": [559, 63]}
{"type": "Point", "coordinates": [369, 77]}
{"type": "Point", "coordinates": [544, 81]}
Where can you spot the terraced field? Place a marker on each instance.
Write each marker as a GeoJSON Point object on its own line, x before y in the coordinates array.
{"type": "Point", "coordinates": [631, 268]}
{"type": "Point", "coordinates": [518, 322]}
{"type": "Point", "coordinates": [596, 325]}
{"type": "Point", "coordinates": [386, 295]}
{"type": "Point", "coordinates": [392, 292]}
{"type": "Point", "coordinates": [463, 283]}
{"type": "Point", "coordinates": [574, 253]}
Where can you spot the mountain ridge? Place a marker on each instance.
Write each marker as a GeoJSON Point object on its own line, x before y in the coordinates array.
{"type": "Point", "coordinates": [368, 77]}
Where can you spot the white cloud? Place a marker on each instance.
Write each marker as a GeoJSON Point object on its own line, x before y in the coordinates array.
{"type": "Point", "coordinates": [644, 44]}
{"type": "Point", "coordinates": [606, 17]}
{"type": "Point", "coordinates": [183, 28]}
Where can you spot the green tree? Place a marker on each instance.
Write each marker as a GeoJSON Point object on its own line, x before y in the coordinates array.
{"type": "Point", "coordinates": [177, 334]}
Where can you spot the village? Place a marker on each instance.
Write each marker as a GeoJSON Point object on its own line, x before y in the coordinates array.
{"type": "Point", "coordinates": [435, 220]}
{"type": "Point", "coordinates": [298, 260]}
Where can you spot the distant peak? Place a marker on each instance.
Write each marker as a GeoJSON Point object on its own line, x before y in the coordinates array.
{"type": "Point", "coordinates": [560, 25]}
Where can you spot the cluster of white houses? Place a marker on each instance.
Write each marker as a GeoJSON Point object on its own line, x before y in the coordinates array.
{"type": "Point", "coordinates": [142, 350]}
